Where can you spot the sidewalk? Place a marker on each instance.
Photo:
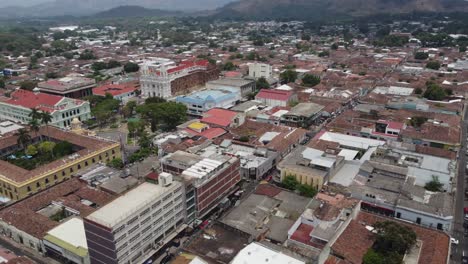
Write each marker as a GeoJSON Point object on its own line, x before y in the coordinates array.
{"type": "Point", "coordinates": [22, 250]}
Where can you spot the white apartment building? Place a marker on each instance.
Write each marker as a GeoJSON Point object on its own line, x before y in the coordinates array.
{"type": "Point", "coordinates": [258, 70]}
{"type": "Point", "coordinates": [135, 225]}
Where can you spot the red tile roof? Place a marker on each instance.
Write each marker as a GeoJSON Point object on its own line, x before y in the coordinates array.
{"type": "Point", "coordinates": [356, 240]}
{"type": "Point", "coordinates": [392, 124]}
{"type": "Point", "coordinates": [114, 89]}
{"type": "Point", "coordinates": [267, 190]}
{"type": "Point", "coordinates": [28, 99]}
{"type": "Point", "coordinates": [220, 117]}
{"type": "Point", "coordinates": [280, 95]}
{"type": "Point", "coordinates": [209, 133]}
{"type": "Point", "coordinates": [302, 235]}
{"type": "Point", "coordinates": [24, 214]}
{"type": "Point", "coordinates": [152, 176]}
{"type": "Point", "coordinates": [187, 64]}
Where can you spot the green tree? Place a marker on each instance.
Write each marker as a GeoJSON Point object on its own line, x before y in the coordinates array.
{"type": "Point", "coordinates": [131, 67]}
{"type": "Point", "coordinates": [262, 83]}
{"type": "Point", "coordinates": [229, 66]}
{"type": "Point", "coordinates": [31, 150]}
{"type": "Point", "coordinates": [34, 126]}
{"type": "Point", "coordinates": [23, 137]}
{"type": "Point", "coordinates": [305, 37]}
{"type": "Point", "coordinates": [46, 119]}
{"type": "Point", "coordinates": [417, 121]}
{"type": "Point", "coordinates": [290, 182]}
{"type": "Point", "coordinates": [28, 85]}
{"type": "Point", "coordinates": [420, 55]}
{"type": "Point", "coordinates": [434, 185]}
{"type": "Point", "coordinates": [434, 65]}
{"type": "Point", "coordinates": [434, 92]}
{"type": "Point", "coordinates": [393, 237]}
{"type": "Point", "coordinates": [310, 80]}
{"type": "Point", "coordinates": [116, 163]}
{"type": "Point", "coordinates": [418, 91]}
{"type": "Point", "coordinates": [372, 257]}
{"type": "Point", "coordinates": [46, 147]}
{"type": "Point", "coordinates": [307, 190]}
{"type": "Point", "coordinates": [334, 46]}
{"type": "Point", "coordinates": [288, 76]}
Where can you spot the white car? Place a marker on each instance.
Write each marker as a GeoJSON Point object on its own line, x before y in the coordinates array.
{"type": "Point", "coordinates": [453, 241]}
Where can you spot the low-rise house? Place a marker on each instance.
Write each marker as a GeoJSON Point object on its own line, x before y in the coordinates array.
{"type": "Point", "coordinates": [199, 102]}
{"type": "Point", "coordinates": [275, 97]}
{"type": "Point", "coordinates": [310, 166]}
{"type": "Point", "coordinates": [121, 92]}
{"type": "Point", "coordinates": [302, 115]}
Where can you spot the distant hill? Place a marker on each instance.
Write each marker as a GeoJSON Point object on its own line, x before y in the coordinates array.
{"type": "Point", "coordinates": [135, 11]}
{"type": "Point", "coordinates": [47, 8]}
{"type": "Point", "coordinates": [317, 9]}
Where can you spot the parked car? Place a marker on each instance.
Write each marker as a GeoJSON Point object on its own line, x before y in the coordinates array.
{"type": "Point", "coordinates": [454, 241]}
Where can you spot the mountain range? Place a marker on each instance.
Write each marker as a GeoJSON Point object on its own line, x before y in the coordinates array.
{"type": "Point", "coordinates": [47, 8]}
{"type": "Point", "coordinates": [309, 9]}
{"type": "Point", "coordinates": [248, 9]}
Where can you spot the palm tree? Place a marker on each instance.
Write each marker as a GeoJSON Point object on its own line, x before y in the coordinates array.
{"type": "Point", "coordinates": [23, 137]}
{"type": "Point", "coordinates": [46, 118]}
{"type": "Point", "coordinates": [35, 126]}
{"type": "Point", "coordinates": [34, 114]}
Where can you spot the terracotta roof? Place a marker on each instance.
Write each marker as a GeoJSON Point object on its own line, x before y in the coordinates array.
{"type": "Point", "coordinates": [152, 176]}
{"type": "Point", "coordinates": [114, 89]}
{"type": "Point", "coordinates": [356, 240]}
{"type": "Point", "coordinates": [28, 99]}
{"type": "Point", "coordinates": [220, 117]}
{"type": "Point", "coordinates": [17, 174]}
{"type": "Point", "coordinates": [24, 214]}
{"type": "Point", "coordinates": [280, 95]}
{"type": "Point", "coordinates": [267, 190]}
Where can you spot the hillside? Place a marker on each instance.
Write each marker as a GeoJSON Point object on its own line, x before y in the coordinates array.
{"type": "Point", "coordinates": [317, 9]}
{"type": "Point", "coordinates": [135, 11]}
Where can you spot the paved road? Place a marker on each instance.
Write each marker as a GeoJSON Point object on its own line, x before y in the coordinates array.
{"type": "Point", "coordinates": [20, 250]}
{"type": "Point", "coordinates": [458, 229]}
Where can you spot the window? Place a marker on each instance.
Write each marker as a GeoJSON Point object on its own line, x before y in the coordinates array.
{"type": "Point", "coordinates": [117, 230]}
{"type": "Point", "coordinates": [55, 177]}
{"type": "Point", "coordinates": [38, 185]}
{"type": "Point", "coordinates": [29, 188]}
{"type": "Point", "coordinates": [418, 220]}
{"type": "Point", "coordinates": [79, 166]}
{"type": "Point", "coordinates": [133, 229]}
{"type": "Point", "coordinates": [46, 180]}
{"type": "Point", "coordinates": [134, 238]}
{"type": "Point", "coordinates": [131, 221]}
{"type": "Point", "coordinates": [120, 238]}
{"type": "Point", "coordinates": [144, 212]}
{"type": "Point", "coordinates": [156, 204]}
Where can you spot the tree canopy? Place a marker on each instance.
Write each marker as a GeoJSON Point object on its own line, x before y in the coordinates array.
{"type": "Point", "coordinates": [310, 80]}
{"type": "Point", "coordinates": [288, 76]}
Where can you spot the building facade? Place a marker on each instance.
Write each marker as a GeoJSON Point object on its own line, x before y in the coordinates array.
{"type": "Point", "coordinates": [17, 183]}
{"type": "Point", "coordinates": [133, 226]}
{"type": "Point", "coordinates": [63, 109]}
{"type": "Point", "coordinates": [69, 86]}
{"type": "Point", "coordinates": [163, 78]}
{"type": "Point", "coordinates": [199, 102]}
{"type": "Point", "coordinates": [259, 70]}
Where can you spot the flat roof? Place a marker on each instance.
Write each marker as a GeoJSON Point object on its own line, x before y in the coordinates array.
{"type": "Point", "coordinates": [257, 253]}
{"type": "Point", "coordinates": [351, 141]}
{"type": "Point", "coordinates": [127, 204]}
{"type": "Point", "coordinates": [306, 109]}
{"type": "Point", "coordinates": [70, 235]}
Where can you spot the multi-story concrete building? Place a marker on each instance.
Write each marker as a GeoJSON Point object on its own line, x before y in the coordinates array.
{"type": "Point", "coordinates": [258, 70]}
{"type": "Point", "coordinates": [70, 86]}
{"type": "Point", "coordinates": [163, 78]}
{"type": "Point", "coordinates": [136, 224]}
{"type": "Point", "coordinates": [63, 110]}
{"type": "Point", "coordinates": [207, 180]}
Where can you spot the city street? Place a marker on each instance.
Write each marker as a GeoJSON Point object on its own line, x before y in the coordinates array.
{"type": "Point", "coordinates": [458, 229]}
